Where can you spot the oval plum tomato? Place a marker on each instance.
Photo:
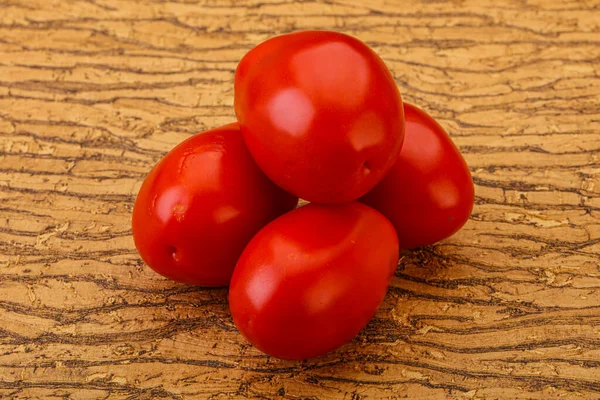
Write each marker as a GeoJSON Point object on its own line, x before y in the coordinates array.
{"type": "Point", "coordinates": [312, 279]}
{"type": "Point", "coordinates": [428, 194]}
{"type": "Point", "coordinates": [200, 206]}
{"type": "Point", "coordinates": [320, 113]}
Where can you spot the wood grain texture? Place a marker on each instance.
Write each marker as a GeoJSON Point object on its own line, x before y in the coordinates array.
{"type": "Point", "coordinates": [93, 93]}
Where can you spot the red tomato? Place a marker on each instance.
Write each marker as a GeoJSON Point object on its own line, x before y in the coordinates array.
{"type": "Point", "coordinates": [428, 195]}
{"type": "Point", "coordinates": [320, 113]}
{"type": "Point", "coordinates": [312, 279]}
{"type": "Point", "coordinates": [200, 206]}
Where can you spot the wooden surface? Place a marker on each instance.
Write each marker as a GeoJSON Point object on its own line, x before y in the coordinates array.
{"type": "Point", "coordinates": [93, 93]}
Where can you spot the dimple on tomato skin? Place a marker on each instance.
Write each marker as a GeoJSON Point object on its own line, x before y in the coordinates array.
{"type": "Point", "coordinates": [428, 195]}
{"type": "Point", "coordinates": [201, 204]}
{"type": "Point", "coordinates": [310, 280]}
{"type": "Point", "coordinates": [321, 114]}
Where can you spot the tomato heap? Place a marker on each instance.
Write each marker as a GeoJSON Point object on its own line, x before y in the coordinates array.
{"type": "Point", "coordinates": [319, 117]}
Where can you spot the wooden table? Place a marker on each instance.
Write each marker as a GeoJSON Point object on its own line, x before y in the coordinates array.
{"type": "Point", "coordinates": [93, 93]}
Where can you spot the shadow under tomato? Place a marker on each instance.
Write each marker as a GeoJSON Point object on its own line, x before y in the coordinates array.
{"type": "Point", "coordinates": [415, 268]}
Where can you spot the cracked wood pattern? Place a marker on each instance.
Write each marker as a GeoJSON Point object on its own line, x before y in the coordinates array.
{"type": "Point", "coordinates": [93, 93]}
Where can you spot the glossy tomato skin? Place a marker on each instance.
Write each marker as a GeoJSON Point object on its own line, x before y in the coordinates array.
{"type": "Point", "coordinates": [312, 279]}
{"type": "Point", "coordinates": [428, 195]}
{"type": "Point", "coordinates": [320, 113]}
{"type": "Point", "coordinates": [200, 206]}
